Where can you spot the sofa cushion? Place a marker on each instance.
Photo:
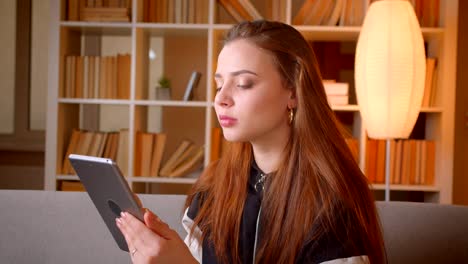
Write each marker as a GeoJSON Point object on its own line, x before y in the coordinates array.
{"type": "Point", "coordinates": [424, 232]}
{"type": "Point", "coordinates": [65, 227]}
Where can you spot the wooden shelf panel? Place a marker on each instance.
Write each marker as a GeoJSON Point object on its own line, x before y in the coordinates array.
{"type": "Point", "coordinates": [173, 26]}
{"type": "Point", "coordinates": [431, 110]}
{"type": "Point", "coordinates": [345, 108]}
{"type": "Point", "coordinates": [99, 28]}
{"type": "Point", "coordinates": [172, 103]}
{"type": "Point", "coordinates": [94, 101]}
{"type": "Point", "coordinates": [399, 187]}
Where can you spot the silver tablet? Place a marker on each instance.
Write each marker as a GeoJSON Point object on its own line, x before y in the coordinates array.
{"type": "Point", "coordinates": [108, 190]}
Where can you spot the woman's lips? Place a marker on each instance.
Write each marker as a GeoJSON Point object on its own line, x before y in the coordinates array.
{"type": "Point", "coordinates": [227, 121]}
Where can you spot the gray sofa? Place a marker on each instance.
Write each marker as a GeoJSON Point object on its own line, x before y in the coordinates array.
{"type": "Point", "coordinates": [64, 227]}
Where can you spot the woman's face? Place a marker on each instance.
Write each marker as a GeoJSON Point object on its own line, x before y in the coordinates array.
{"type": "Point", "coordinates": [251, 102]}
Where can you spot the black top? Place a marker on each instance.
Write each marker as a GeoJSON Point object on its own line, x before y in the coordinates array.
{"type": "Point", "coordinates": [327, 248]}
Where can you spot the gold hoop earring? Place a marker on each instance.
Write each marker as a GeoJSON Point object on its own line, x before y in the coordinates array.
{"type": "Point", "coordinates": [291, 115]}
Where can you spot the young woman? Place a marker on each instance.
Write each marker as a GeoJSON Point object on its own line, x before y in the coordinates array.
{"type": "Point", "coordinates": [288, 190]}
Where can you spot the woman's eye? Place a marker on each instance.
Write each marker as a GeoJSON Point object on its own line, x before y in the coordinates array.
{"type": "Point", "coordinates": [245, 86]}
{"type": "Point", "coordinates": [218, 89]}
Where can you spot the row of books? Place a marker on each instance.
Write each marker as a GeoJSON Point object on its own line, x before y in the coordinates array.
{"type": "Point", "coordinates": [149, 152]}
{"type": "Point", "coordinates": [331, 13]}
{"type": "Point", "coordinates": [176, 11]}
{"type": "Point", "coordinates": [99, 10]}
{"type": "Point", "coordinates": [411, 161]}
{"type": "Point", "coordinates": [241, 10]}
{"type": "Point", "coordinates": [97, 77]}
{"type": "Point", "coordinates": [113, 145]}
{"type": "Point", "coordinates": [427, 12]}
{"type": "Point", "coordinates": [71, 186]}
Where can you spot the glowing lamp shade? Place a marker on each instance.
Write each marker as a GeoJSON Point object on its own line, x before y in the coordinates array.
{"type": "Point", "coordinates": [390, 69]}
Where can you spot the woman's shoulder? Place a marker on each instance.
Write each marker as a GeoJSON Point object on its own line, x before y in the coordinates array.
{"type": "Point", "coordinates": [342, 243]}
{"type": "Point", "coordinates": [329, 249]}
{"type": "Point", "coordinates": [194, 206]}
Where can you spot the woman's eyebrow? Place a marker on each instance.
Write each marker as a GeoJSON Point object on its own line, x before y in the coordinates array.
{"type": "Point", "coordinates": [235, 73]}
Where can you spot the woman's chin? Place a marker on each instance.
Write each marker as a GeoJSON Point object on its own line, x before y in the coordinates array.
{"type": "Point", "coordinates": [231, 137]}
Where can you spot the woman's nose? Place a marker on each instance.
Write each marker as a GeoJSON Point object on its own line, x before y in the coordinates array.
{"type": "Point", "coordinates": [223, 97]}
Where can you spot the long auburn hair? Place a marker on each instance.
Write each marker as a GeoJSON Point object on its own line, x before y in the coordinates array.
{"type": "Point", "coordinates": [318, 188]}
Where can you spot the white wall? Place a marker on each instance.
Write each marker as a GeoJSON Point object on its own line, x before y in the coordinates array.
{"type": "Point", "coordinates": [7, 67]}
{"type": "Point", "coordinates": [39, 58]}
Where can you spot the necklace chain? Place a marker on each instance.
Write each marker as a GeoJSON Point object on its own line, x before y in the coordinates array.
{"type": "Point", "coordinates": [260, 182]}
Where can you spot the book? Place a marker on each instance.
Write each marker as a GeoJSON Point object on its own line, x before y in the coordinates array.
{"type": "Point", "coordinates": [305, 9]}
{"type": "Point", "coordinates": [396, 179]}
{"type": "Point", "coordinates": [122, 151]}
{"type": "Point", "coordinates": [105, 14]}
{"type": "Point", "coordinates": [147, 141]}
{"type": "Point", "coordinates": [72, 186]}
{"type": "Point", "coordinates": [191, 85]}
{"type": "Point", "coordinates": [250, 8]}
{"type": "Point", "coordinates": [336, 13]}
{"type": "Point", "coordinates": [371, 160]}
{"type": "Point", "coordinates": [430, 162]}
{"type": "Point", "coordinates": [338, 99]}
{"type": "Point", "coordinates": [193, 162]}
{"type": "Point", "coordinates": [158, 151]}
{"type": "Point", "coordinates": [231, 10]}
{"type": "Point", "coordinates": [172, 162]}
{"type": "Point", "coordinates": [216, 137]}
{"type": "Point", "coordinates": [72, 146]}
{"type": "Point", "coordinates": [336, 88]}
{"type": "Point", "coordinates": [428, 83]}
{"type": "Point", "coordinates": [380, 159]}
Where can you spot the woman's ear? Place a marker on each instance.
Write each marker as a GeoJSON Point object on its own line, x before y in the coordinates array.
{"type": "Point", "coordinates": [292, 101]}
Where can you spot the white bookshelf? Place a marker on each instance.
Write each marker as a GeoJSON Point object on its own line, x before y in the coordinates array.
{"type": "Point", "coordinates": [439, 119]}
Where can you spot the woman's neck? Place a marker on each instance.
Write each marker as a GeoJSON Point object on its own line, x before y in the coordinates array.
{"type": "Point", "coordinates": [267, 152]}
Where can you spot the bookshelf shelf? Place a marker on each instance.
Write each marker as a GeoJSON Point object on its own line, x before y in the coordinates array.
{"type": "Point", "coordinates": [172, 26]}
{"type": "Point", "coordinates": [340, 33]}
{"type": "Point", "coordinates": [180, 48]}
{"type": "Point", "coordinates": [96, 28]}
{"type": "Point", "coordinates": [432, 110]}
{"type": "Point", "coordinates": [345, 108]}
{"type": "Point", "coordinates": [398, 187]}
{"type": "Point", "coordinates": [85, 24]}
{"type": "Point", "coordinates": [94, 101]}
{"type": "Point", "coordinates": [172, 103]}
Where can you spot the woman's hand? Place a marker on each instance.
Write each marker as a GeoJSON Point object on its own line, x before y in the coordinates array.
{"type": "Point", "coordinates": [153, 241]}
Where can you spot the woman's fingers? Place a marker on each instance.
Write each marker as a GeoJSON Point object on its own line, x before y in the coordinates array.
{"type": "Point", "coordinates": [136, 233]}
{"type": "Point", "coordinates": [137, 199]}
{"type": "Point", "coordinates": [157, 225]}
{"type": "Point", "coordinates": [153, 241]}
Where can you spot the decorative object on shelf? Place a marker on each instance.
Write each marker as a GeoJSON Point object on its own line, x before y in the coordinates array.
{"type": "Point", "coordinates": [163, 89]}
{"type": "Point", "coordinates": [390, 72]}
{"type": "Point", "coordinates": [191, 85]}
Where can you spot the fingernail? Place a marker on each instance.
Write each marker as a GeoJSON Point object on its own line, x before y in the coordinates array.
{"type": "Point", "coordinates": [118, 221]}
{"type": "Point", "coordinates": [122, 214]}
